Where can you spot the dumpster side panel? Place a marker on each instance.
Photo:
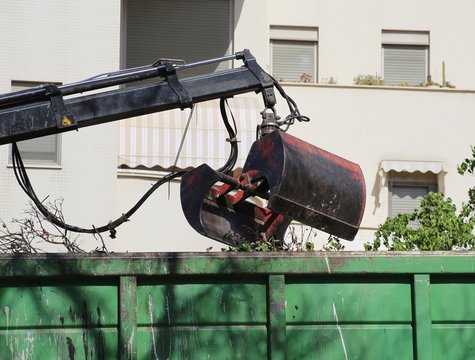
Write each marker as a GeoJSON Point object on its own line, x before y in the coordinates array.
{"type": "Point", "coordinates": [46, 319]}
{"type": "Point", "coordinates": [201, 318]}
{"type": "Point", "coordinates": [453, 317]}
{"type": "Point", "coordinates": [361, 317]}
{"type": "Point", "coordinates": [238, 306]}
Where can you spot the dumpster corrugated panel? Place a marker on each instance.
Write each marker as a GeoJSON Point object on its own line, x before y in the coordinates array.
{"type": "Point", "coordinates": [331, 317]}
{"type": "Point", "coordinates": [44, 319]}
{"type": "Point", "coordinates": [202, 318]}
{"type": "Point", "coordinates": [238, 306]}
{"type": "Point", "coordinates": [350, 342]}
{"type": "Point", "coordinates": [453, 317]}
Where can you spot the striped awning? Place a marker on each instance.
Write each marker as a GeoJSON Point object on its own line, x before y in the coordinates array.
{"type": "Point", "coordinates": [152, 141]}
{"type": "Point", "coordinates": [412, 166]}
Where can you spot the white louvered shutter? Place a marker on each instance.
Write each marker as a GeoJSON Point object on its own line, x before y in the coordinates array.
{"type": "Point", "coordinates": [182, 29]}
{"type": "Point", "coordinates": [151, 142]}
{"type": "Point", "coordinates": [404, 199]}
{"type": "Point", "coordinates": [405, 64]}
{"type": "Point", "coordinates": [42, 151]}
{"type": "Point", "coordinates": [294, 61]}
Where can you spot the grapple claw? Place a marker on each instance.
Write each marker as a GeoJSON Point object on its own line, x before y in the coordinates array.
{"type": "Point", "coordinates": [283, 179]}
{"type": "Point", "coordinates": [228, 210]}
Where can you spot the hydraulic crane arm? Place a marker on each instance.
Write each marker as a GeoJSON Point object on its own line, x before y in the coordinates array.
{"type": "Point", "coordinates": [44, 111]}
{"type": "Point", "coordinates": [283, 179]}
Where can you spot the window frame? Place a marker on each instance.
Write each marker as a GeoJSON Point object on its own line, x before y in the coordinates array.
{"type": "Point", "coordinates": [428, 180]}
{"type": "Point", "coordinates": [406, 40]}
{"type": "Point", "coordinates": [37, 163]}
{"type": "Point", "coordinates": [295, 35]}
{"type": "Point", "coordinates": [147, 52]}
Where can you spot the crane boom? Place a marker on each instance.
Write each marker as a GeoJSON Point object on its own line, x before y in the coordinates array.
{"type": "Point", "coordinates": [44, 111]}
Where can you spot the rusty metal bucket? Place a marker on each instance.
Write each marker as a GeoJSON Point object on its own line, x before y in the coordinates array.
{"type": "Point", "coordinates": [283, 179]}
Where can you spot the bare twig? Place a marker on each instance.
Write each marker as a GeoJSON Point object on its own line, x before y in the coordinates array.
{"type": "Point", "coordinates": [33, 234]}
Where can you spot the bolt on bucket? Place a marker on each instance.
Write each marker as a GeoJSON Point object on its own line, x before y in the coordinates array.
{"type": "Point", "coordinates": [283, 179]}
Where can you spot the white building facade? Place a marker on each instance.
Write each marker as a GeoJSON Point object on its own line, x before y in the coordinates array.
{"type": "Point", "coordinates": [407, 133]}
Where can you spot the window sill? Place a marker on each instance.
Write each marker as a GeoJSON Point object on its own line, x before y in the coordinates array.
{"type": "Point", "coordinates": [40, 166]}
{"type": "Point", "coordinates": [143, 174]}
{"type": "Point", "coordinates": [380, 87]}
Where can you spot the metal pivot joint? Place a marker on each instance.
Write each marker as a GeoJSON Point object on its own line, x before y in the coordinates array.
{"type": "Point", "coordinates": [185, 100]}
{"type": "Point", "coordinates": [268, 94]}
{"type": "Point", "coordinates": [270, 122]}
{"type": "Point", "coordinates": [63, 117]}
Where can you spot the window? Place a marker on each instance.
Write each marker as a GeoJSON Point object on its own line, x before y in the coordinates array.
{"type": "Point", "coordinates": [405, 197]}
{"type": "Point", "coordinates": [407, 189]}
{"type": "Point", "coordinates": [294, 53]}
{"type": "Point", "coordinates": [406, 193]}
{"type": "Point", "coordinates": [409, 182]}
{"type": "Point", "coordinates": [405, 57]}
{"type": "Point", "coordinates": [42, 151]}
{"type": "Point", "coordinates": [181, 29]}
{"type": "Point", "coordinates": [151, 142]}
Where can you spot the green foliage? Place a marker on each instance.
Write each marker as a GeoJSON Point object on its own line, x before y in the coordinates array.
{"type": "Point", "coordinates": [333, 244]}
{"type": "Point", "coordinates": [261, 245]}
{"type": "Point", "coordinates": [369, 80]}
{"type": "Point", "coordinates": [444, 81]}
{"type": "Point", "coordinates": [330, 81]}
{"type": "Point", "coordinates": [468, 165]}
{"type": "Point", "coordinates": [309, 246]}
{"type": "Point", "coordinates": [436, 225]}
{"type": "Point", "coordinates": [294, 241]}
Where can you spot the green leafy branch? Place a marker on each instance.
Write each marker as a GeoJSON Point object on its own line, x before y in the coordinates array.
{"type": "Point", "coordinates": [436, 225]}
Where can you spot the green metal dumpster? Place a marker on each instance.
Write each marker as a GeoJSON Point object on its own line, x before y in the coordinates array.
{"type": "Point", "coordinates": [238, 306]}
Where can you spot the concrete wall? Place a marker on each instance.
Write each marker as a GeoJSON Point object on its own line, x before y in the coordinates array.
{"type": "Point", "coordinates": [350, 34]}
{"type": "Point", "coordinates": [63, 41]}
{"type": "Point", "coordinates": [159, 225]}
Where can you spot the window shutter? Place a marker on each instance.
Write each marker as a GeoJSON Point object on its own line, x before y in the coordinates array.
{"type": "Point", "coordinates": [404, 199]}
{"type": "Point", "coordinates": [182, 29]}
{"type": "Point", "coordinates": [151, 141]}
{"type": "Point", "coordinates": [405, 64]}
{"type": "Point", "coordinates": [293, 60]}
{"type": "Point", "coordinates": [40, 151]}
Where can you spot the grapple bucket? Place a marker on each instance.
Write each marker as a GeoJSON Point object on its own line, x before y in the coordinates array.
{"type": "Point", "coordinates": [283, 179]}
{"type": "Point", "coordinates": [310, 185]}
